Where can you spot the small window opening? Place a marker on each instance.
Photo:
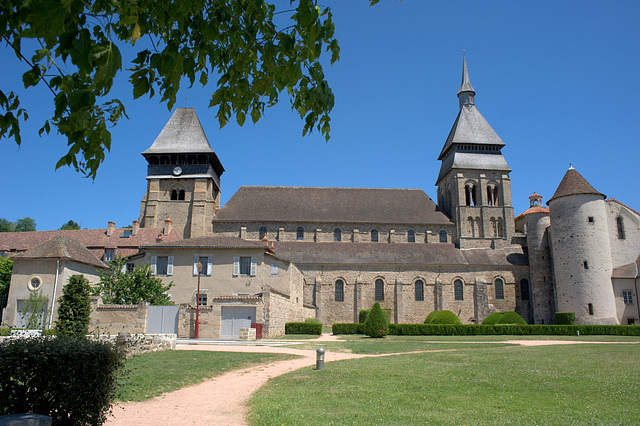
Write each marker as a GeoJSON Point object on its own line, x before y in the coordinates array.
{"type": "Point", "coordinates": [337, 234]}
{"type": "Point", "coordinates": [586, 264]}
{"type": "Point", "coordinates": [590, 307]}
{"type": "Point", "coordinates": [339, 291]}
{"type": "Point", "coordinates": [411, 236]}
{"type": "Point", "coordinates": [262, 232]}
{"type": "Point", "coordinates": [443, 236]}
{"type": "Point", "coordinates": [300, 233]}
{"type": "Point", "coordinates": [591, 220]}
{"type": "Point", "coordinates": [181, 195]}
{"type": "Point", "coordinates": [174, 195]}
{"type": "Point", "coordinates": [374, 236]}
{"type": "Point", "coordinates": [379, 289]}
{"type": "Point", "coordinates": [620, 228]}
{"type": "Point", "coordinates": [419, 291]}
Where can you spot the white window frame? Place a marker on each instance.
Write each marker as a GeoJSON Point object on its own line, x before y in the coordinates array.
{"type": "Point", "coordinates": [154, 265]}
{"type": "Point", "coordinates": [207, 266]}
{"type": "Point", "coordinates": [627, 297]}
{"type": "Point", "coordinates": [252, 270]}
{"type": "Point", "coordinates": [275, 270]}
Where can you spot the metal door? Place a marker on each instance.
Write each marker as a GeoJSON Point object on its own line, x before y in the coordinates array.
{"type": "Point", "coordinates": [234, 318]}
{"type": "Point", "coordinates": [162, 320]}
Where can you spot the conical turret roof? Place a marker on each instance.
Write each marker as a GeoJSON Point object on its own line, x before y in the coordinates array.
{"type": "Point", "coordinates": [574, 184]}
{"type": "Point", "coordinates": [183, 134]}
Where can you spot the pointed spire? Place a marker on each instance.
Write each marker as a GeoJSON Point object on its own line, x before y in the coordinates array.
{"type": "Point", "coordinates": [466, 92]}
{"type": "Point", "coordinates": [574, 184]}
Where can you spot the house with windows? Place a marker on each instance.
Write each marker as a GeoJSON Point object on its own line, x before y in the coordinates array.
{"type": "Point", "coordinates": [274, 254]}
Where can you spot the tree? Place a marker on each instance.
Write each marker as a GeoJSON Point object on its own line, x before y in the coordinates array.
{"type": "Point", "coordinates": [71, 225]}
{"type": "Point", "coordinates": [251, 51]}
{"type": "Point", "coordinates": [21, 225]}
{"type": "Point", "coordinates": [376, 324]}
{"type": "Point", "coordinates": [34, 310]}
{"type": "Point", "coordinates": [130, 288]}
{"type": "Point", "coordinates": [75, 308]}
{"type": "Point", "coordinates": [6, 266]}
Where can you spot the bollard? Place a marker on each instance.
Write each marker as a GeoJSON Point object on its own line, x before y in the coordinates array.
{"type": "Point", "coordinates": [320, 359]}
{"type": "Point", "coordinates": [578, 332]}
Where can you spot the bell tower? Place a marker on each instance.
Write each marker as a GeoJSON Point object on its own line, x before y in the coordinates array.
{"type": "Point", "coordinates": [183, 178]}
{"type": "Point", "coordinates": [474, 187]}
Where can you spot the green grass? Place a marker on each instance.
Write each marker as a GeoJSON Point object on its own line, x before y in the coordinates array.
{"type": "Point", "coordinates": [155, 373]}
{"type": "Point", "coordinates": [486, 384]}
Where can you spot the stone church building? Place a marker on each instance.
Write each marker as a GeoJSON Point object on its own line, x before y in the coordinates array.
{"type": "Point", "coordinates": [330, 252]}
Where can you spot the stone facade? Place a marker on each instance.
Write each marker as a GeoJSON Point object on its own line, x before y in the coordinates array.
{"type": "Point", "coordinates": [113, 319]}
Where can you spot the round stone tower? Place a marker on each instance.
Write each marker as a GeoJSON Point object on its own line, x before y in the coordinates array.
{"type": "Point", "coordinates": [581, 251]}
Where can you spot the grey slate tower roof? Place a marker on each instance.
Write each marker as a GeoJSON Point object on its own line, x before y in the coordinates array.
{"type": "Point", "coordinates": [333, 205]}
{"type": "Point", "coordinates": [574, 184]}
{"type": "Point", "coordinates": [61, 247]}
{"type": "Point", "coordinates": [472, 143]}
{"type": "Point", "coordinates": [181, 135]}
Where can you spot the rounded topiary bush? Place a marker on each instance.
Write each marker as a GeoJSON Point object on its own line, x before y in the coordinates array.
{"type": "Point", "coordinates": [444, 317]}
{"type": "Point", "coordinates": [493, 318]}
{"type": "Point", "coordinates": [429, 317]}
{"type": "Point", "coordinates": [376, 324]}
{"type": "Point", "coordinates": [511, 317]}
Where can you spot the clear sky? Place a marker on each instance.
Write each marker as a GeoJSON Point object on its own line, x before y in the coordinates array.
{"type": "Point", "coordinates": [556, 80]}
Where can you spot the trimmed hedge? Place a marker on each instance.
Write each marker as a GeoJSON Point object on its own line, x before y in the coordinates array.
{"type": "Point", "coordinates": [376, 324]}
{"type": "Point", "coordinates": [71, 380]}
{"type": "Point", "coordinates": [565, 317]}
{"type": "Point", "coordinates": [4, 331]}
{"type": "Point", "coordinates": [362, 315]}
{"type": "Point", "coordinates": [444, 317]}
{"type": "Point", "coordinates": [497, 329]}
{"type": "Point", "coordinates": [303, 328]}
{"type": "Point", "coordinates": [429, 317]}
{"type": "Point", "coordinates": [492, 318]}
{"type": "Point", "coordinates": [511, 317]}
{"type": "Point", "coordinates": [347, 328]}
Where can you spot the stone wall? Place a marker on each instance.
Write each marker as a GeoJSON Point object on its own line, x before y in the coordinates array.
{"type": "Point", "coordinates": [136, 344]}
{"type": "Point", "coordinates": [112, 319]}
{"type": "Point", "coordinates": [209, 322]}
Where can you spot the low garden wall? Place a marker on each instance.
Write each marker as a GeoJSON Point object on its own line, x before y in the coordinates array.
{"type": "Point", "coordinates": [136, 344]}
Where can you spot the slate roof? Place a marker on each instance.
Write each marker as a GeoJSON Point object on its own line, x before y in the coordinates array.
{"type": "Point", "coordinates": [465, 86]}
{"type": "Point", "coordinates": [182, 134]}
{"type": "Point", "coordinates": [632, 270]}
{"type": "Point", "coordinates": [531, 210]}
{"type": "Point", "coordinates": [401, 253]}
{"type": "Point", "coordinates": [96, 240]}
{"type": "Point", "coordinates": [574, 184]}
{"type": "Point", "coordinates": [61, 247]}
{"type": "Point", "coordinates": [215, 241]}
{"type": "Point", "coordinates": [332, 205]}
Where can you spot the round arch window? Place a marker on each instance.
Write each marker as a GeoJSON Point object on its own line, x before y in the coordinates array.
{"type": "Point", "coordinates": [35, 283]}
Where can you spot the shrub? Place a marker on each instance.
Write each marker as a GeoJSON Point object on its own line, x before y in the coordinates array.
{"type": "Point", "coordinates": [75, 308]}
{"type": "Point", "coordinates": [445, 317]}
{"type": "Point", "coordinates": [362, 315]}
{"type": "Point", "coordinates": [312, 321]}
{"type": "Point", "coordinates": [511, 317]}
{"type": "Point", "coordinates": [565, 318]}
{"type": "Point", "coordinates": [492, 318]}
{"type": "Point", "coordinates": [376, 324]}
{"type": "Point", "coordinates": [303, 328]}
{"type": "Point", "coordinates": [513, 330]}
{"type": "Point", "coordinates": [429, 317]}
{"type": "Point", "coordinates": [347, 328]}
{"type": "Point", "coordinates": [4, 331]}
{"type": "Point", "coordinates": [71, 380]}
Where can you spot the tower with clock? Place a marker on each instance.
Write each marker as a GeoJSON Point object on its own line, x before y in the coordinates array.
{"type": "Point", "coordinates": [183, 178]}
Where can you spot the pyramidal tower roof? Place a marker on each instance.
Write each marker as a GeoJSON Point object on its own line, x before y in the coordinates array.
{"type": "Point", "coordinates": [183, 134]}
{"type": "Point", "coordinates": [574, 184]}
{"type": "Point", "coordinates": [61, 247]}
{"type": "Point", "coordinates": [472, 143]}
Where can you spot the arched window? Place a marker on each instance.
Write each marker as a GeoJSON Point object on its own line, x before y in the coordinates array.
{"type": "Point", "coordinates": [262, 232]}
{"type": "Point", "coordinates": [181, 195]}
{"type": "Point", "coordinates": [374, 236]}
{"type": "Point", "coordinates": [300, 233]}
{"type": "Point", "coordinates": [620, 224]}
{"type": "Point", "coordinates": [443, 236]}
{"type": "Point", "coordinates": [337, 234]}
{"type": "Point", "coordinates": [174, 195]}
{"type": "Point", "coordinates": [411, 236]}
{"type": "Point", "coordinates": [419, 290]}
{"type": "Point", "coordinates": [379, 289]}
{"type": "Point", "coordinates": [458, 289]}
{"type": "Point", "coordinates": [339, 291]}
{"type": "Point", "coordinates": [470, 197]}
{"type": "Point", "coordinates": [499, 289]}
{"type": "Point", "coordinates": [524, 289]}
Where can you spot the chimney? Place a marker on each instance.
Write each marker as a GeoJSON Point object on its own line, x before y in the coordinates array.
{"type": "Point", "coordinates": [168, 226]}
{"type": "Point", "coordinates": [111, 227]}
{"type": "Point", "coordinates": [265, 241]}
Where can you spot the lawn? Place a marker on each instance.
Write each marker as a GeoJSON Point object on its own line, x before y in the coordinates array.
{"type": "Point", "coordinates": [483, 384]}
{"type": "Point", "coordinates": [155, 373]}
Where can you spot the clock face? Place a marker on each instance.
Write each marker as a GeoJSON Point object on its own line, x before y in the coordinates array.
{"type": "Point", "coordinates": [177, 171]}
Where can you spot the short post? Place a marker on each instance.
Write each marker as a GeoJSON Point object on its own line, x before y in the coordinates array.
{"type": "Point", "coordinates": [320, 359]}
{"type": "Point", "coordinates": [578, 332]}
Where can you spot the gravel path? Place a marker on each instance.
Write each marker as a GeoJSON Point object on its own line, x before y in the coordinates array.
{"type": "Point", "coordinates": [222, 400]}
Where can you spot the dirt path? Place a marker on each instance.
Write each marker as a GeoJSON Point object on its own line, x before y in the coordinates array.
{"type": "Point", "coordinates": [222, 400]}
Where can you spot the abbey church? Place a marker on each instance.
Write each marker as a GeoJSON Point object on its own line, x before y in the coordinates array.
{"type": "Point", "coordinates": [274, 254]}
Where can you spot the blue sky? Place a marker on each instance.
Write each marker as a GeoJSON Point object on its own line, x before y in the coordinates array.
{"type": "Point", "coordinates": [556, 80]}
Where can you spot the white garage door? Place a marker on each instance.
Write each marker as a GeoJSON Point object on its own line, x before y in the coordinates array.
{"type": "Point", "coordinates": [235, 318]}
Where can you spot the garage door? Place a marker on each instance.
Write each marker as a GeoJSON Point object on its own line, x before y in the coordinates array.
{"type": "Point", "coordinates": [235, 318]}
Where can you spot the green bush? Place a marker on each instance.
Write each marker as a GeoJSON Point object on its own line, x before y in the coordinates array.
{"type": "Point", "coordinates": [565, 318]}
{"type": "Point", "coordinates": [511, 317]}
{"type": "Point", "coordinates": [492, 318]}
{"type": "Point", "coordinates": [71, 380]}
{"type": "Point", "coordinates": [75, 308]}
{"type": "Point", "coordinates": [362, 315]}
{"type": "Point", "coordinates": [513, 330]}
{"type": "Point", "coordinates": [4, 331]}
{"type": "Point", "coordinates": [347, 328]}
{"type": "Point", "coordinates": [303, 328]}
{"type": "Point", "coordinates": [443, 317]}
{"type": "Point", "coordinates": [376, 324]}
